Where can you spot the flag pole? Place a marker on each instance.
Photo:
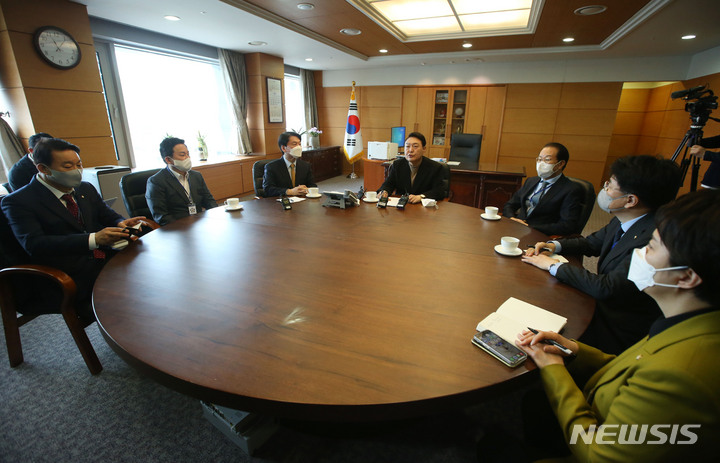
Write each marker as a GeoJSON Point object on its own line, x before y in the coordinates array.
{"type": "Point", "coordinates": [353, 139]}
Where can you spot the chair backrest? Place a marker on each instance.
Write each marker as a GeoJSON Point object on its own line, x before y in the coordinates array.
{"type": "Point", "coordinates": [446, 179]}
{"type": "Point", "coordinates": [258, 172]}
{"type": "Point", "coordinates": [132, 187]}
{"type": "Point", "coordinates": [465, 148]}
{"type": "Point", "coordinates": [11, 253]}
{"type": "Point", "coordinates": [588, 201]}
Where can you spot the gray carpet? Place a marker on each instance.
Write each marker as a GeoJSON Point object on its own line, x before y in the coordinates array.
{"type": "Point", "coordinates": [53, 410]}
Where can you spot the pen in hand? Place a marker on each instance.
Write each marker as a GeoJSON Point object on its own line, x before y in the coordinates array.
{"type": "Point", "coordinates": [541, 249]}
{"type": "Point", "coordinates": [562, 348]}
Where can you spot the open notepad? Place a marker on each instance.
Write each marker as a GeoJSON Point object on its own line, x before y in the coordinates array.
{"type": "Point", "coordinates": [514, 316]}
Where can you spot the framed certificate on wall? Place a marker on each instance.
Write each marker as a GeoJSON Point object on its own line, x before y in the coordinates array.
{"type": "Point", "coordinates": [274, 99]}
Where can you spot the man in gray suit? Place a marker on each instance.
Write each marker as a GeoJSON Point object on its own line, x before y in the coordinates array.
{"type": "Point", "coordinates": [177, 191]}
{"type": "Point", "coordinates": [638, 186]}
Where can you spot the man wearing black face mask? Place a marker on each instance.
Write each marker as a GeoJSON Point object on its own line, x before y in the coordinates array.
{"type": "Point", "coordinates": [638, 185]}
{"type": "Point", "coordinates": [550, 202]}
{"type": "Point", "coordinates": [61, 221]}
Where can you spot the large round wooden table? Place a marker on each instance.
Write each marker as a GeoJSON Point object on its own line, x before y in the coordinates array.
{"type": "Point", "coordinates": [322, 313]}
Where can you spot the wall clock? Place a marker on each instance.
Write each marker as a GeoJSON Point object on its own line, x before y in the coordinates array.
{"type": "Point", "coordinates": [57, 47]}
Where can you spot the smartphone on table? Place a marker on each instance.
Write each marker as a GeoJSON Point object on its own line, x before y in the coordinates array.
{"type": "Point", "coordinates": [499, 348]}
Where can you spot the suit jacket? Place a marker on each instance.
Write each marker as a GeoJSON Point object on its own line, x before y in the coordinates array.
{"type": "Point", "coordinates": [276, 179]}
{"type": "Point", "coordinates": [167, 199]}
{"type": "Point", "coordinates": [622, 313]}
{"type": "Point", "coordinates": [712, 174]}
{"type": "Point", "coordinates": [671, 378]}
{"type": "Point", "coordinates": [50, 234]}
{"type": "Point", "coordinates": [557, 213]}
{"type": "Point", "coordinates": [428, 181]}
{"type": "Point", "coordinates": [21, 173]}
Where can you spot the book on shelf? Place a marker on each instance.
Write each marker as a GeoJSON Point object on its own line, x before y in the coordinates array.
{"type": "Point", "coordinates": [515, 316]}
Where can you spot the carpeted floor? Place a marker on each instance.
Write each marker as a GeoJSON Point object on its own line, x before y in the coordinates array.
{"type": "Point", "coordinates": [53, 410]}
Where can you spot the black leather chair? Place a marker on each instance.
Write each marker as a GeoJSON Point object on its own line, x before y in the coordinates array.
{"type": "Point", "coordinates": [132, 187]}
{"type": "Point", "coordinates": [28, 291]}
{"type": "Point", "coordinates": [588, 201]}
{"type": "Point", "coordinates": [446, 180]}
{"type": "Point", "coordinates": [465, 148]}
{"type": "Point", "coordinates": [258, 171]}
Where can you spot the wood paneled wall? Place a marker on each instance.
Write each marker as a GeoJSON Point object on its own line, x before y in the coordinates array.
{"type": "Point", "coordinates": [263, 133]}
{"type": "Point", "coordinates": [67, 104]}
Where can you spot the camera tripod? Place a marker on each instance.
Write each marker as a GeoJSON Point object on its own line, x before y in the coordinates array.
{"type": "Point", "coordinates": [692, 137]}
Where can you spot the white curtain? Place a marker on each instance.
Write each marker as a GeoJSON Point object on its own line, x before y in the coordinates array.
{"type": "Point", "coordinates": [307, 83]}
{"type": "Point", "coordinates": [11, 148]}
{"type": "Point", "coordinates": [234, 73]}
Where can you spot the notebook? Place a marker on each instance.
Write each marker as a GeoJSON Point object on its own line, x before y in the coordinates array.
{"type": "Point", "coordinates": [514, 316]}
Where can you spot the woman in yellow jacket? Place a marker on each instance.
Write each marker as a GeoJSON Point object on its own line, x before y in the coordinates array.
{"type": "Point", "coordinates": [660, 399]}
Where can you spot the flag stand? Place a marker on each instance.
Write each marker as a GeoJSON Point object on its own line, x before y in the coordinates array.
{"type": "Point", "coordinates": [352, 174]}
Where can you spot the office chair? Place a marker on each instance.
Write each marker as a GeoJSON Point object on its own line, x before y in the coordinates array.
{"type": "Point", "coordinates": [258, 171]}
{"type": "Point", "coordinates": [132, 187]}
{"type": "Point", "coordinates": [446, 180]}
{"type": "Point", "coordinates": [588, 202]}
{"type": "Point", "coordinates": [27, 291]}
{"type": "Point", "coordinates": [465, 148]}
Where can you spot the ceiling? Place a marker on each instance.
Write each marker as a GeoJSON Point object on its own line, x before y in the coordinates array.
{"type": "Point", "coordinates": [627, 28]}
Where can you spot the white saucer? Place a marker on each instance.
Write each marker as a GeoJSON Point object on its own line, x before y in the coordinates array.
{"type": "Point", "coordinates": [487, 217]}
{"type": "Point", "coordinates": [499, 250]}
{"type": "Point", "coordinates": [313, 196]}
{"type": "Point", "coordinates": [371, 200]}
{"type": "Point", "coordinates": [230, 209]}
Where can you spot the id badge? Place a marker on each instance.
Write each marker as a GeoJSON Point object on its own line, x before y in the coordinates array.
{"type": "Point", "coordinates": [192, 209]}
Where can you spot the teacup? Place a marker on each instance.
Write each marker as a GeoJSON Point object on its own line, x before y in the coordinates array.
{"type": "Point", "coordinates": [509, 243]}
{"type": "Point", "coordinates": [491, 212]}
{"type": "Point", "coordinates": [313, 191]}
{"type": "Point", "coordinates": [371, 195]}
{"type": "Point", "coordinates": [232, 203]}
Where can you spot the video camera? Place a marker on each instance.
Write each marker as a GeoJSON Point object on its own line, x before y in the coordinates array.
{"type": "Point", "coordinates": [701, 108]}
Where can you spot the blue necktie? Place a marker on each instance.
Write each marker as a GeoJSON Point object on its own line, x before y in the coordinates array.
{"type": "Point", "coordinates": [618, 235]}
{"type": "Point", "coordinates": [536, 197]}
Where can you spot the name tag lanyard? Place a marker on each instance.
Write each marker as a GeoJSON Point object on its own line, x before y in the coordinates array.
{"type": "Point", "coordinates": [192, 208]}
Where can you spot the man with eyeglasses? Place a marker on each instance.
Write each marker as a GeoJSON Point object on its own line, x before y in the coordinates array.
{"type": "Point", "coordinates": [551, 202]}
{"type": "Point", "coordinates": [638, 186]}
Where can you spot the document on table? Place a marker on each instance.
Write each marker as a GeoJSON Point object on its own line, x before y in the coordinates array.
{"type": "Point", "coordinates": [514, 316]}
{"type": "Point", "coordinates": [453, 163]}
{"type": "Point", "coordinates": [393, 201]}
{"type": "Point", "coordinates": [293, 199]}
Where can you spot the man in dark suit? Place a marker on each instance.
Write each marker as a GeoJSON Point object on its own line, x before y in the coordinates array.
{"type": "Point", "coordinates": [177, 191]}
{"type": "Point", "coordinates": [24, 170]}
{"type": "Point", "coordinates": [288, 175]}
{"type": "Point", "coordinates": [638, 186]}
{"type": "Point", "coordinates": [550, 202]}
{"type": "Point", "coordinates": [417, 176]}
{"type": "Point", "coordinates": [61, 221]}
{"type": "Point", "coordinates": [711, 179]}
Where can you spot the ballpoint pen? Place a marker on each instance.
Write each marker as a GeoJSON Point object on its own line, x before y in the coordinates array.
{"type": "Point", "coordinates": [541, 249]}
{"type": "Point", "coordinates": [562, 348]}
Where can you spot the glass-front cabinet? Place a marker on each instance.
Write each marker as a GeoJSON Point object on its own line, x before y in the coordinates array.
{"type": "Point", "coordinates": [449, 112]}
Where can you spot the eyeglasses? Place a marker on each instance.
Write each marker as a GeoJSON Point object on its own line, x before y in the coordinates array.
{"type": "Point", "coordinates": [606, 187]}
{"type": "Point", "coordinates": [548, 160]}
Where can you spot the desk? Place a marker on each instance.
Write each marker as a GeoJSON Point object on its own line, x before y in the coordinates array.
{"type": "Point", "coordinates": [320, 313]}
{"type": "Point", "coordinates": [489, 185]}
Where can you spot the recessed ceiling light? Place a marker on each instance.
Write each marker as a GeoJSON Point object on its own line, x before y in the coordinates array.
{"type": "Point", "coordinates": [172, 18]}
{"type": "Point", "coordinates": [305, 6]}
{"type": "Point", "coordinates": [467, 45]}
{"type": "Point", "coordinates": [257, 43]}
{"type": "Point", "coordinates": [688, 37]}
{"type": "Point", "coordinates": [308, 59]}
{"type": "Point", "coordinates": [590, 10]}
{"type": "Point", "coordinates": [350, 31]}
{"type": "Point", "coordinates": [568, 39]}
{"type": "Point", "coordinates": [382, 50]}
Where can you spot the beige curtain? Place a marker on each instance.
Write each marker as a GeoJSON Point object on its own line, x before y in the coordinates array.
{"type": "Point", "coordinates": [307, 82]}
{"type": "Point", "coordinates": [234, 73]}
{"type": "Point", "coordinates": [11, 148]}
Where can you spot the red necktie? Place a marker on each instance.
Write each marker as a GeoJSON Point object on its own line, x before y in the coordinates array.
{"type": "Point", "coordinates": [75, 211]}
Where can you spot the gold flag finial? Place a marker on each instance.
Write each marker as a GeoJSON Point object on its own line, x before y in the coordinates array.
{"type": "Point", "coordinates": [352, 94]}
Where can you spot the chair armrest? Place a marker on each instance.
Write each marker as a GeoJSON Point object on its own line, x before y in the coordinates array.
{"type": "Point", "coordinates": [62, 279]}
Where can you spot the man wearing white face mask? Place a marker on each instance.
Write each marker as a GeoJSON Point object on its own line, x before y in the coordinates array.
{"type": "Point", "coordinates": [61, 221]}
{"type": "Point", "coordinates": [550, 202]}
{"type": "Point", "coordinates": [177, 191]}
{"type": "Point", "coordinates": [638, 185]}
{"type": "Point", "coordinates": [288, 175]}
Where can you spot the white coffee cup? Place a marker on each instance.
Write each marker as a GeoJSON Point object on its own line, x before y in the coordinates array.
{"type": "Point", "coordinates": [232, 203]}
{"type": "Point", "coordinates": [491, 211]}
{"type": "Point", "coordinates": [509, 243]}
{"type": "Point", "coordinates": [371, 195]}
{"type": "Point", "coordinates": [313, 191]}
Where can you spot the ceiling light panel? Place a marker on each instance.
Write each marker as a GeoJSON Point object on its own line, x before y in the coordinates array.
{"type": "Point", "coordinates": [417, 20]}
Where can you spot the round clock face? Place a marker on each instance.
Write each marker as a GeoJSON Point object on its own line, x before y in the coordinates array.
{"type": "Point", "coordinates": [57, 47]}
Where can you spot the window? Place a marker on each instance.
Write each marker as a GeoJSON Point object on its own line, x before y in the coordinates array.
{"type": "Point", "coordinates": [173, 95]}
{"type": "Point", "coordinates": [294, 113]}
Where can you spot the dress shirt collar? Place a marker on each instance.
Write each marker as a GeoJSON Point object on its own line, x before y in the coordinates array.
{"type": "Point", "coordinates": [58, 194]}
{"type": "Point", "coordinates": [550, 181]}
{"type": "Point", "coordinates": [662, 323]}
{"type": "Point", "coordinates": [626, 225]}
{"type": "Point", "coordinates": [287, 163]}
{"type": "Point", "coordinates": [181, 178]}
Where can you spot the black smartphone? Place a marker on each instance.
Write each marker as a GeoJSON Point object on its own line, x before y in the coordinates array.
{"type": "Point", "coordinates": [499, 348]}
{"type": "Point", "coordinates": [402, 202]}
{"type": "Point", "coordinates": [286, 203]}
{"type": "Point", "coordinates": [382, 201]}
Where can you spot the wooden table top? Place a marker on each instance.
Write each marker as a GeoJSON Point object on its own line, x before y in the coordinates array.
{"type": "Point", "coordinates": [322, 313]}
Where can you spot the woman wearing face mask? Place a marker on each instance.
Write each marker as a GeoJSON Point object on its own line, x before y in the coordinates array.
{"type": "Point", "coordinates": [668, 384]}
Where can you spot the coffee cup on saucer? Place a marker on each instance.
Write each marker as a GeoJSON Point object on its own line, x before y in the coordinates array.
{"type": "Point", "coordinates": [371, 195]}
{"type": "Point", "coordinates": [491, 212]}
{"type": "Point", "coordinates": [313, 191]}
{"type": "Point", "coordinates": [509, 244]}
{"type": "Point", "coordinates": [232, 203]}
